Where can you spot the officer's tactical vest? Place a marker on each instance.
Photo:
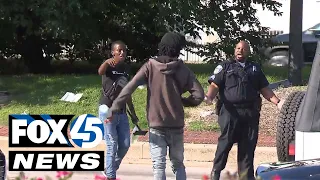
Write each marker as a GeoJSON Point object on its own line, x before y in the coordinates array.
{"type": "Point", "coordinates": [238, 89]}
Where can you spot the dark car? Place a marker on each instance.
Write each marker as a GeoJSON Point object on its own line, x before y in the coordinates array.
{"type": "Point", "coordinates": [306, 169]}
{"type": "Point", "coordinates": [279, 54]}
{"type": "Point", "coordinates": [2, 166]}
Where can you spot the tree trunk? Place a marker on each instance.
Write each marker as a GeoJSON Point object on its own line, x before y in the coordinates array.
{"type": "Point", "coordinates": [296, 58]}
{"type": "Point", "coordinates": [33, 55]}
{"type": "Point", "coordinates": [30, 47]}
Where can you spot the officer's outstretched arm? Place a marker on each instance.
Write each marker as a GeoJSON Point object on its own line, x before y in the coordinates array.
{"type": "Point", "coordinates": [215, 80]}
{"type": "Point", "coordinates": [213, 90]}
{"type": "Point", "coordinates": [269, 95]}
{"type": "Point", "coordinates": [266, 92]}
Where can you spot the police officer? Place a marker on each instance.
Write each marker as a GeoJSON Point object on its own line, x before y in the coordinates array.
{"type": "Point", "coordinates": [238, 84]}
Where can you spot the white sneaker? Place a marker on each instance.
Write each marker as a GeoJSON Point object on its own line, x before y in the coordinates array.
{"type": "Point", "coordinates": [104, 173]}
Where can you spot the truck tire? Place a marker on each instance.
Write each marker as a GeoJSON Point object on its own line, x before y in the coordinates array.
{"type": "Point", "coordinates": [279, 58]}
{"type": "Point", "coordinates": [286, 125]}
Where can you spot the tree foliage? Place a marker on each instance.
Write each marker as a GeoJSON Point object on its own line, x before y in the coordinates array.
{"type": "Point", "coordinates": [33, 28]}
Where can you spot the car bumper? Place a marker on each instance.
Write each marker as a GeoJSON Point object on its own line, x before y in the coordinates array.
{"type": "Point", "coordinates": [308, 169]}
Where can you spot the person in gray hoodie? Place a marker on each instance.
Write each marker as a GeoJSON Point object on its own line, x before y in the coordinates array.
{"type": "Point", "coordinates": [167, 79]}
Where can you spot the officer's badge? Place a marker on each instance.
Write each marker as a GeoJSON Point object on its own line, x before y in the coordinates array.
{"type": "Point", "coordinates": [254, 68]}
{"type": "Point", "coordinates": [218, 69]}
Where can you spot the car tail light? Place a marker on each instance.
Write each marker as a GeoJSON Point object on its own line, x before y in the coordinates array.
{"type": "Point", "coordinates": [292, 149]}
{"type": "Point", "coordinates": [276, 177]}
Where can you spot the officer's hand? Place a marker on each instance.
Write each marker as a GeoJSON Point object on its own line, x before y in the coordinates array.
{"type": "Point", "coordinates": [280, 104]}
{"type": "Point", "coordinates": [207, 100]}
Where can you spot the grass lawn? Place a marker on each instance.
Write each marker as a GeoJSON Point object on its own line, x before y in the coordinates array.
{"type": "Point", "coordinates": [39, 94]}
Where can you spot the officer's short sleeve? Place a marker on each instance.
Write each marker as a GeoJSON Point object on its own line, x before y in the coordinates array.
{"type": "Point", "coordinates": [217, 76]}
{"type": "Point", "coordinates": [263, 81]}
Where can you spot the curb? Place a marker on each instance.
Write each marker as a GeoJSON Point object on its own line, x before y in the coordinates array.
{"type": "Point", "coordinates": [193, 137]}
{"type": "Point", "coordinates": [194, 154]}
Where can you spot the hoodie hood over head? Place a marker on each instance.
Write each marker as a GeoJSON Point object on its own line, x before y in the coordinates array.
{"type": "Point", "coordinates": [166, 64]}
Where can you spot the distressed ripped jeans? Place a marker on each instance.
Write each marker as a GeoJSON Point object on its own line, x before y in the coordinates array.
{"type": "Point", "coordinates": [117, 137]}
{"type": "Point", "coordinates": [159, 141]}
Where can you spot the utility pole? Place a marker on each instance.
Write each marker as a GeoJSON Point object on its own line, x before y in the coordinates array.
{"type": "Point", "coordinates": [296, 57]}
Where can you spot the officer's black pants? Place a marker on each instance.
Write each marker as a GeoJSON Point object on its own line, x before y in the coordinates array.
{"type": "Point", "coordinates": [237, 126]}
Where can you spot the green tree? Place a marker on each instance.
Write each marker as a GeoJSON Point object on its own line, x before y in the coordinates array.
{"type": "Point", "coordinates": [36, 27]}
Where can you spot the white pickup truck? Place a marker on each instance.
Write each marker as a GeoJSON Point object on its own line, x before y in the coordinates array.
{"type": "Point", "coordinates": [298, 133]}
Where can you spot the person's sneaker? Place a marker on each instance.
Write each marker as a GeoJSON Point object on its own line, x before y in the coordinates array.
{"type": "Point", "coordinates": [105, 175]}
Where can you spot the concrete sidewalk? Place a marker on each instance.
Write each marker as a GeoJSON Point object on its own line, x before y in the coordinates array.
{"type": "Point", "coordinates": [196, 155]}
{"type": "Point", "coordinates": [125, 172]}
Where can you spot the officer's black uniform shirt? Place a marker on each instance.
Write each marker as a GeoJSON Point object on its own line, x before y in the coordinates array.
{"type": "Point", "coordinates": [110, 76]}
{"type": "Point", "coordinates": [239, 84]}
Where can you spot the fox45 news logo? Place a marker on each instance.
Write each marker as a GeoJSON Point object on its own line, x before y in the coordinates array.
{"type": "Point", "coordinates": [51, 132]}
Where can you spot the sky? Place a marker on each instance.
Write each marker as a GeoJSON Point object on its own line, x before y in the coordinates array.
{"type": "Point", "coordinates": [311, 14]}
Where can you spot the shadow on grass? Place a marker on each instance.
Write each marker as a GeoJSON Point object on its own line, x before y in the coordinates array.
{"type": "Point", "coordinates": [43, 89]}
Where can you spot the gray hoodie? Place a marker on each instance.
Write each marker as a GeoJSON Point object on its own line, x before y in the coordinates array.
{"type": "Point", "coordinates": [167, 79]}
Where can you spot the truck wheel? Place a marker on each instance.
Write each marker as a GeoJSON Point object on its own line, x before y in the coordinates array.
{"type": "Point", "coordinates": [279, 58]}
{"type": "Point", "coordinates": [286, 125]}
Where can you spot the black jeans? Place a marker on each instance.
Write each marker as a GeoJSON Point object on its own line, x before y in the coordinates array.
{"type": "Point", "coordinates": [238, 125]}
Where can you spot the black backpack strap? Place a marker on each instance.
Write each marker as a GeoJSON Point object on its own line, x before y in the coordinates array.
{"type": "Point", "coordinates": [120, 82]}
